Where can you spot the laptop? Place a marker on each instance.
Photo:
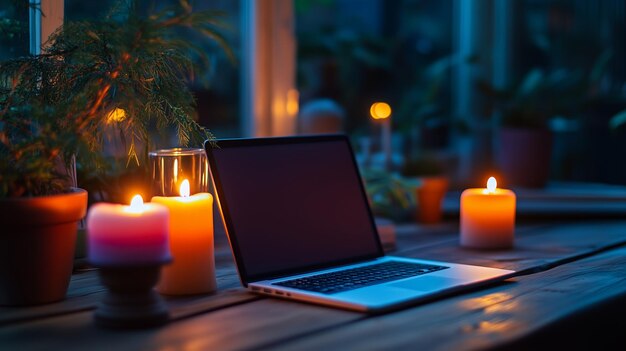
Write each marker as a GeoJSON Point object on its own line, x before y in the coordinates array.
{"type": "Point", "coordinates": [299, 225]}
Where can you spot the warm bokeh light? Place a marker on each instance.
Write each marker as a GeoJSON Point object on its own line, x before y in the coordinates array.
{"type": "Point", "coordinates": [184, 188]}
{"type": "Point", "coordinates": [136, 204]}
{"type": "Point", "coordinates": [175, 170]}
{"type": "Point", "coordinates": [492, 184]}
{"type": "Point", "coordinates": [117, 115]}
{"type": "Point", "coordinates": [292, 102]}
{"type": "Point", "coordinates": [483, 302]}
{"type": "Point", "coordinates": [380, 110]}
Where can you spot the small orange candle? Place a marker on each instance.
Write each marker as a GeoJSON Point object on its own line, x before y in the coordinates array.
{"type": "Point", "coordinates": [191, 242]}
{"type": "Point", "coordinates": [429, 197]}
{"type": "Point", "coordinates": [488, 217]}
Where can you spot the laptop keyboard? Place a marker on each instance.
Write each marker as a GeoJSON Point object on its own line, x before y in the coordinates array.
{"type": "Point", "coordinates": [354, 278]}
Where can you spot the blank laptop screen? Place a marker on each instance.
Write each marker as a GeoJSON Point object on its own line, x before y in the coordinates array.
{"type": "Point", "coordinates": [294, 206]}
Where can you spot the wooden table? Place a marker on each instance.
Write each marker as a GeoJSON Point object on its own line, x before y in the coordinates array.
{"type": "Point", "coordinates": [572, 281]}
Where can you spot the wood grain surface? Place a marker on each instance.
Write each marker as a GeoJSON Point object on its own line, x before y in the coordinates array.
{"type": "Point", "coordinates": [565, 269]}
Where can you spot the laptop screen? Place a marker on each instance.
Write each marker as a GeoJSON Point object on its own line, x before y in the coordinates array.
{"type": "Point", "coordinates": [292, 204]}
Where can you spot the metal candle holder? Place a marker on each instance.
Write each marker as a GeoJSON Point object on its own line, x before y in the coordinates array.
{"type": "Point", "coordinates": [131, 301]}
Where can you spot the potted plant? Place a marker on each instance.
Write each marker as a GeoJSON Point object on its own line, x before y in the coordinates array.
{"type": "Point", "coordinates": [431, 186]}
{"type": "Point", "coordinates": [526, 111]}
{"type": "Point", "coordinates": [39, 207]}
{"type": "Point", "coordinates": [524, 139]}
{"type": "Point", "coordinates": [127, 71]}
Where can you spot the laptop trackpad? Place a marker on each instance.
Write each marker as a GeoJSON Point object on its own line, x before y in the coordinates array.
{"type": "Point", "coordinates": [426, 284]}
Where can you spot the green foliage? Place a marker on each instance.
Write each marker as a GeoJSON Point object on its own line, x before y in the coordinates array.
{"type": "Point", "coordinates": [618, 120]}
{"type": "Point", "coordinates": [423, 101]}
{"type": "Point", "coordinates": [31, 147]}
{"type": "Point", "coordinates": [390, 196]}
{"type": "Point", "coordinates": [544, 94]}
{"type": "Point", "coordinates": [58, 103]}
{"type": "Point", "coordinates": [539, 96]}
{"type": "Point", "coordinates": [339, 59]}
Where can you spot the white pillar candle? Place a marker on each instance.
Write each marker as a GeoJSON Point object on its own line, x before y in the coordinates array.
{"type": "Point", "coordinates": [488, 217]}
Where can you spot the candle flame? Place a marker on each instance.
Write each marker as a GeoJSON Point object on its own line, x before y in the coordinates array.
{"type": "Point", "coordinates": [492, 184]}
{"type": "Point", "coordinates": [184, 188]}
{"type": "Point", "coordinates": [380, 110]}
{"type": "Point", "coordinates": [136, 204]}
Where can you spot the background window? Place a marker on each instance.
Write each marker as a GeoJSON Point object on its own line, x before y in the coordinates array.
{"type": "Point", "coordinates": [407, 53]}
{"type": "Point", "coordinates": [13, 29]}
{"type": "Point", "coordinates": [583, 41]}
{"type": "Point", "coordinates": [360, 52]}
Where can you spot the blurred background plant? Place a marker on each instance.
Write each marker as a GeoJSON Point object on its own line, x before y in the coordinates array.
{"type": "Point", "coordinates": [339, 62]}
{"type": "Point", "coordinates": [542, 95]}
{"type": "Point", "coordinates": [424, 114]}
{"type": "Point", "coordinates": [424, 165]}
{"type": "Point", "coordinates": [390, 195]}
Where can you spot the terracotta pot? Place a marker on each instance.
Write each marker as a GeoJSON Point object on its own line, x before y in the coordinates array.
{"type": "Point", "coordinates": [37, 246]}
{"type": "Point", "coordinates": [524, 157]}
{"type": "Point", "coordinates": [429, 197]}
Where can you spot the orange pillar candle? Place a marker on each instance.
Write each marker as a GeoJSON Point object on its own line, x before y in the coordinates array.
{"type": "Point", "coordinates": [488, 217]}
{"type": "Point", "coordinates": [191, 242]}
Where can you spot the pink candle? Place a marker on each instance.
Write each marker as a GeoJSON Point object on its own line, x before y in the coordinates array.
{"type": "Point", "coordinates": [123, 235]}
